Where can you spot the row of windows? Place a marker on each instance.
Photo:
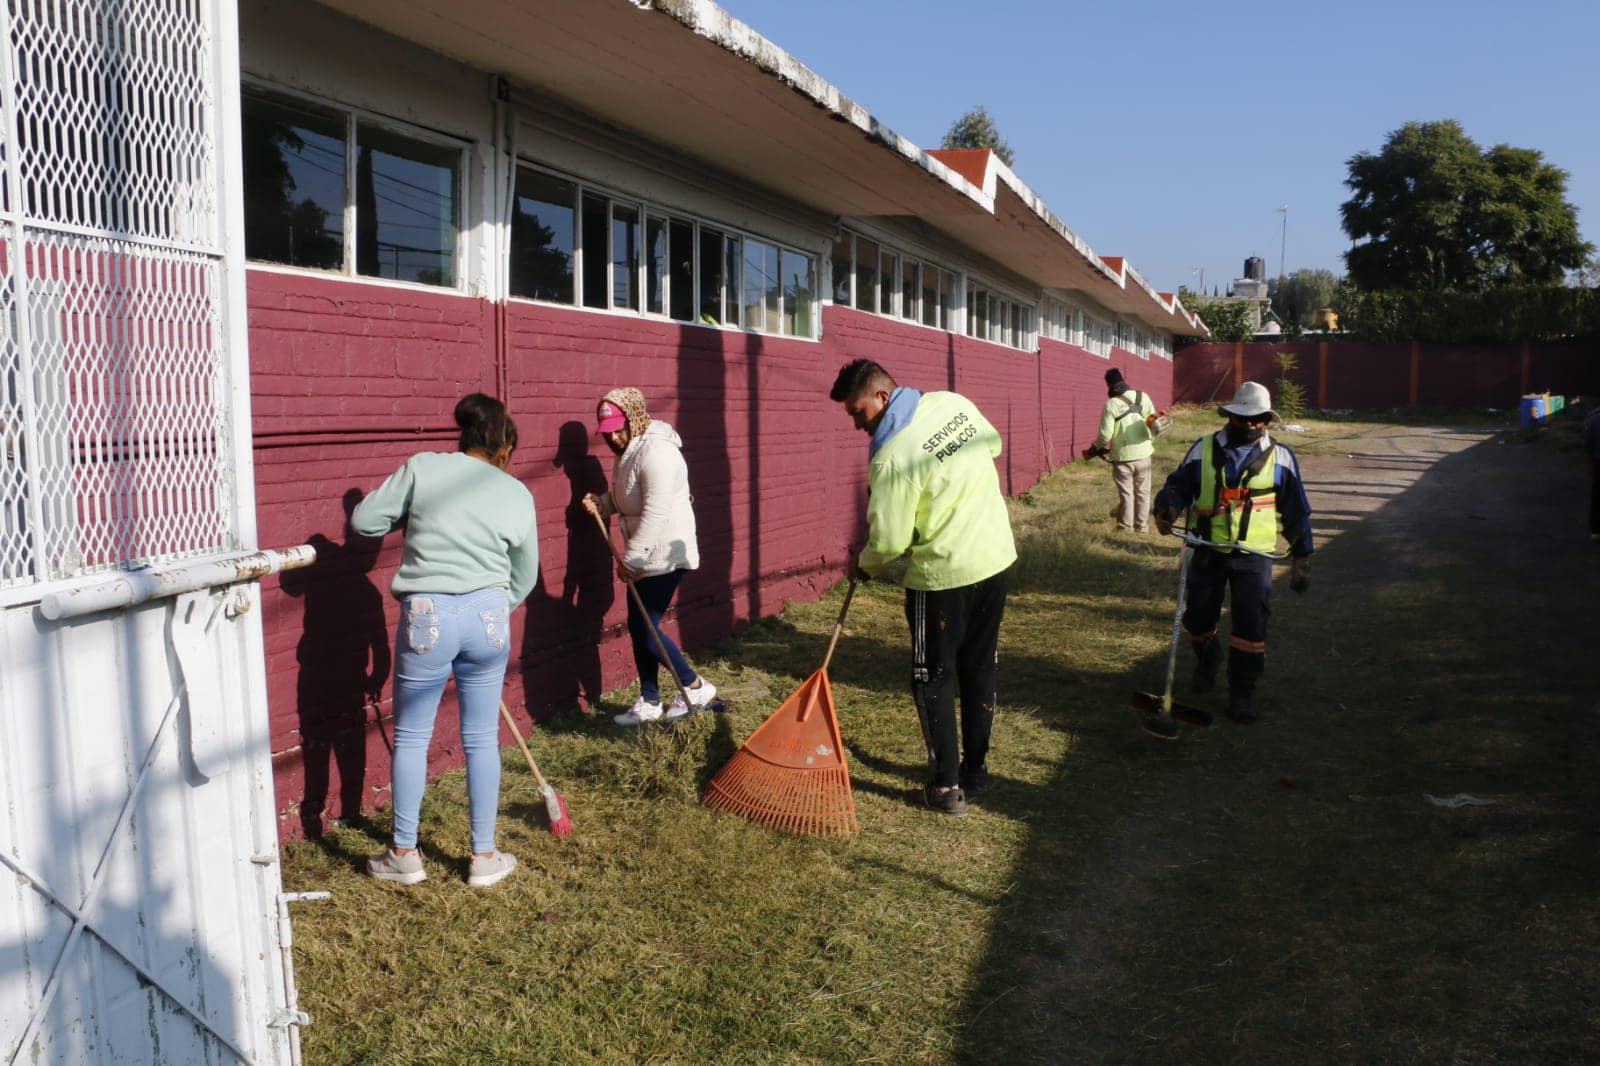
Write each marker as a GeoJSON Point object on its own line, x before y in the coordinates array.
{"type": "Point", "coordinates": [871, 277]}
{"type": "Point", "coordinates": [575, 244]}
{"type": "Point", "coordinates": [332, 189]}
{"type": "Point", "coordinates": [327, 189]}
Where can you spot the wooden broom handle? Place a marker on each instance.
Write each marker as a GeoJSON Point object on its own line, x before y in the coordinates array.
{"type": "Point", "coordinates": [666, 660]}
{"type": "Point", "coordinates": [838, 627]}
{"type": "Point", "coordinates": [526, 754]}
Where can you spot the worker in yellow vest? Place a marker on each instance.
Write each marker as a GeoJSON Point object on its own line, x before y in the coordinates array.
{"type": "Point", "coordinates": [1237, 485]}
{"type": "Point", "coordinates": [1126, 440]}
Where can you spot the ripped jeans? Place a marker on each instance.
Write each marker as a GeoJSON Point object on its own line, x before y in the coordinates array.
{"type": "Point", "coordinates": [440, 634]}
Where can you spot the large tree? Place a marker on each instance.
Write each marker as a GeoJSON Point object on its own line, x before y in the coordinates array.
{"type": "Point", "coordinates": [1297, 297]}
{"type": "Point", "coordinates": [1432, 211]}
{"type": "Point", "coordinates": [976, 129]}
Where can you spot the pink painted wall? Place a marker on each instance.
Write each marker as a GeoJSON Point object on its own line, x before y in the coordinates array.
{"type": "Point", "coordinates": [1364, 375]}
{"type": "Point", "coordinates": [350, 379]}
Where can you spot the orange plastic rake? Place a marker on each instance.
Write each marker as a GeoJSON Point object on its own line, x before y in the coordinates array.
{"type": "Point", "coordinates": [791, 772]}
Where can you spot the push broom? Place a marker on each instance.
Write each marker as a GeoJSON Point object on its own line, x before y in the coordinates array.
{"type": "Point", "coordinates": [554, 809]}
{"type": "Point", "coordinates": [791, 773]}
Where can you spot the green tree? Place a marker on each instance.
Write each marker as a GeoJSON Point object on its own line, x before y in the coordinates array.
{"type": "Point", "coordinates": [1228, 319]}
{"type": "Point", "coordinates": [1297, 297]}
{"type": "Point", "coordinates": [1433, 212]}
{"type": "Point", "coordinates": [976, 129]}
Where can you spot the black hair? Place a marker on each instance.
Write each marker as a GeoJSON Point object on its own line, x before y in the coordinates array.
{"type": "Point", "coordinates": [859, 376]}
{"type": "Point", "coordinates": [484, 423]}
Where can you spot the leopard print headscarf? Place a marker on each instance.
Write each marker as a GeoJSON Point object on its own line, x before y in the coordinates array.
{"type": "Point", "coordinates": [631, 400]}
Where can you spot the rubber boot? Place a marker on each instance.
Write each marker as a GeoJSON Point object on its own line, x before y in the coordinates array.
{"type": "Point", "coordinates": [1207, 661]}
{"type": "Point", "coordinates": [1240, 707]}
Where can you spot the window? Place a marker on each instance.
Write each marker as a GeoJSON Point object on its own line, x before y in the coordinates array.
{"type": "Point", "coordinates": [952, 298]}
{"type": "Point", "coordinates": [866, 275]}
{"type": "Point", "coordinates": [595, 250]}
{"type": "Point", "coordinates": [711, 277]}
{"type": "Point", "coordinates": [889, 272]}
{"type": "Point", "coordinates": [624, 257]}
{"type": "Point", "coordinates": [798, 288]}
{"type": "Point", "coordinates": [930, 295]}
{"type": "Point", "coordinates": [294, 191]}
{"type": "Point", "coordinates": [762, 294]}
{"type": "Point", "coordinates": [543, 237]}
{"type": "Point", "coordinates": [655, 265]}
{"type": "Point", "coordinates": [308, 167]}
{"type": "Point", "coordinates": [910, 289]}
{"type": "Point", "coordinates": [843, 267]}
{"type": "Point", "coordinates": [681, 248]}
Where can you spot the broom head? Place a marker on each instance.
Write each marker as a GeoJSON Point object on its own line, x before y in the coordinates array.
{"type": "Point", "coordinates": [555, 809]}
{"type": "Point", "coordinates": [791, 772]}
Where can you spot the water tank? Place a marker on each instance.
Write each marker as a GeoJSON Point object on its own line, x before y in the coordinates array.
{"type": "Point", "coordinates": [1255, 268]}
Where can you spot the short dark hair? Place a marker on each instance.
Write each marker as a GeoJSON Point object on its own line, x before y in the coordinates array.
{"type": "Point", "coordinates": [484, 424]}
{"type": "Point", "coordinates": [856, 377]}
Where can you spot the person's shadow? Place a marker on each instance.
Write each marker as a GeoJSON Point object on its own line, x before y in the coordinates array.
{"type": "Point", "coordinates": [561, 647]}
{"type": "Point", "coordinates": [344, 661]}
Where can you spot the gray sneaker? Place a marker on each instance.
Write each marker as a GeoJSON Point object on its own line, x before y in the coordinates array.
{"type": "Point", "coordinates": [401, 869]}
{"type": "Point", "coordinates": [489, 870]}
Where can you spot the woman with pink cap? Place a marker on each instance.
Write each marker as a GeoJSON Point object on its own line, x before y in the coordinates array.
{"type": "Point", "coordinates": [650, 493]}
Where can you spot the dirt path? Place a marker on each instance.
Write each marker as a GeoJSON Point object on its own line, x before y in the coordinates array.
{"type": "Point", "coordinates": [1287, 892]}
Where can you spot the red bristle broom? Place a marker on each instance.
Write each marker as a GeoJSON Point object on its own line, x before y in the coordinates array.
{"type": "Point", "coordinates": [791, 772]}
{"type": "Point", "coordinates": [554, 808]}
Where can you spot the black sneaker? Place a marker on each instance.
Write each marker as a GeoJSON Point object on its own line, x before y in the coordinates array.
{"type": "Point", "coordinates": [1160, 726]}
{"type": "Point", "coordinates": [1239, 708]}
{"type": "Point", "coordinates": [1208, 659]}
{"type": "Point", "coordinates": [974, 781]}
{"type": "Point", "coordinates": [947, 801]}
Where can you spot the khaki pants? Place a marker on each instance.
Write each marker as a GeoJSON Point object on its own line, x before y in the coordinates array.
{"type": "Point", "coordinates": [1133, 494]}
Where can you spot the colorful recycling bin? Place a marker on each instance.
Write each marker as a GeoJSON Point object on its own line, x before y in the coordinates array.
{"type": "Point", "coordinates": [1535, 409]}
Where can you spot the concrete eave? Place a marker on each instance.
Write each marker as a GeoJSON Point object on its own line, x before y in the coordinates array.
{"type": "Point", "coordinates": [688, 75]}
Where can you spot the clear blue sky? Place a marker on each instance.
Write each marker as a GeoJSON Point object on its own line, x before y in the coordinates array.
{"type": "Point", "coordinates": [1169, 132]}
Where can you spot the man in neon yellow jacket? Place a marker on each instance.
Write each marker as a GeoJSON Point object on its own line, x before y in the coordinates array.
{"type": "Point", "coordinates": [934, 493]}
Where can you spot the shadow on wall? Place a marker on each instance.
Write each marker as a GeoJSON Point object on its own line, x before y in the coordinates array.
{"type": "Point", "coordinates": [344, 661]}
{"type": "Point", "coordinates": [705, 610]}
{"type": "Point", "coordinates": [561, 635]}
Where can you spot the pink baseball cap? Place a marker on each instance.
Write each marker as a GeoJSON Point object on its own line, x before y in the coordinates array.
{"type": "Point", "coordinates": [611, 417]}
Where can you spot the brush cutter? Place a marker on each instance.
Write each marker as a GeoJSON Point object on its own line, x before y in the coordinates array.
{"type": "Point", "coordinates": [791, 773]}
{"type": "Point", "coordinates": [655, 635]}
{"type": "Point", "coordinates": [554, 808]}
{"type": "Point", "coordinates": [1161, 711]}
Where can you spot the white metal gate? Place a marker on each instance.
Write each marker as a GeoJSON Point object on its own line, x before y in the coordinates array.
{"type": "Point", "coordinates": [141, 911]}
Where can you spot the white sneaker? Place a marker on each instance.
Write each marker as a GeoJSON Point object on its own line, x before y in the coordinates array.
{"type": "Point", "coordinates": [486, 870]}
{"type": "Point", "coordinates": [698, 698]}
{"type": "Point", "coordinates": [642, 711]}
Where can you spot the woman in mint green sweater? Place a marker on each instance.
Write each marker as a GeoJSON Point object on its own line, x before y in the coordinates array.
{"type": "Point", "coordinates": [471, 555]}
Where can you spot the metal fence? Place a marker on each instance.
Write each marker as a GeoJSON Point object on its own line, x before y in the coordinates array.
{"type": "Point", "coordinates": [115, 436]}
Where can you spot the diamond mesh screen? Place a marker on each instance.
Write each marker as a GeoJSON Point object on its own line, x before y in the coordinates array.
{"type": "Point", "coordinates": [114, 375]}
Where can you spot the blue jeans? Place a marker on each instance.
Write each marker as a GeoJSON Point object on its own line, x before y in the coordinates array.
{"type": "Point", "coordinates": [440, 634]}
{"type": "Point", "coordinates": [656, 592]}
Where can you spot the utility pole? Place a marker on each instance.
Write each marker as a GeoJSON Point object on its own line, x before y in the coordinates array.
{"type": "Point", "coordinates": [1283, 242]}
{"type": "Point", "coordinates": [1201, 271]}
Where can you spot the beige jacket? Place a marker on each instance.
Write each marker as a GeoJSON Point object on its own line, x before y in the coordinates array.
{"type": "Point", "coordinates": [650, 490]}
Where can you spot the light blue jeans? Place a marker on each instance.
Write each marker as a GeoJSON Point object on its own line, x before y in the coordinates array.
{"type": "Point", "coordinates": [440, 634]}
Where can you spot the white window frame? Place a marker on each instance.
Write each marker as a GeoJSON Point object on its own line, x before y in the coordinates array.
{"type": "Point", "coordinates": [353, 116]}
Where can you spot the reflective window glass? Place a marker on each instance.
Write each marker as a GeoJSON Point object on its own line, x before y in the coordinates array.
{"type": "Point", "coordinates": [681, 251]}
{"type": "Point", "coordinates": [596, 250]}
{"type": "Point", "coordinates": [294, 183]}
{"type": "Point", "coordinates": [406, 207]}
{"type": "Point", "coordinates": [543, 221]}
{"type": "Point", "coordinates": [624, 257]}
{"type": "Point", "coordinates": [797, 294]}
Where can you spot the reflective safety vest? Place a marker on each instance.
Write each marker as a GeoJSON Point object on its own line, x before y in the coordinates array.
{"type": "Point", "coordinates": [1245, 514]}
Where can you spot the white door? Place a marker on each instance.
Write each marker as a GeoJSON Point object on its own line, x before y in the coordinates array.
{"type": "Point", "coordinates": [141, 913]}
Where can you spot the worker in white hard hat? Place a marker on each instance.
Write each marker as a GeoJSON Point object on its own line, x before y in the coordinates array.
{"type": "Point", "coordinates": [1237, 484]}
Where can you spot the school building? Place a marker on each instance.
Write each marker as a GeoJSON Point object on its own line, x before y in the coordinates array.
{"type": "Point", "coordinates": [544, 199]}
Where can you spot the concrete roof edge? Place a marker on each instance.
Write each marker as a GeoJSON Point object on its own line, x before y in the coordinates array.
{"type": "Point", "coordinates": [706, 19]}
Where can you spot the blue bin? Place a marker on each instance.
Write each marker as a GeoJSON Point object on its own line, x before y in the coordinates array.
{"type": "Point", "coordinates": [1533, 411]}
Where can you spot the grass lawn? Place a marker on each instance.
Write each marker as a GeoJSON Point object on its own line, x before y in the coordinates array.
{"type": "Point", "coordinates": [1282, 892]}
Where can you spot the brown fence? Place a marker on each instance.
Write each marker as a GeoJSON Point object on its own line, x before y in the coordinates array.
{"type": "Point", "coordinates": [1359, 375]}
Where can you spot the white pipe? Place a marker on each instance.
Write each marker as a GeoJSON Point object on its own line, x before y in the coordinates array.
{"type": "Point", "coordinates": [128, 589]}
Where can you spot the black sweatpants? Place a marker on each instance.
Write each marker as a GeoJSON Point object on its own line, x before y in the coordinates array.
{"type": "Point", "coordinates": [955, 635]}
{"type": "Point", "coordinates": [1211, 574]}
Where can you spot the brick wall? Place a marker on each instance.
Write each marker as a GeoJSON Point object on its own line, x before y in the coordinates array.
{"type": "Point", "coordinates": [1363, 376]}
{"type": "Point", "coordinates": [350, 379]}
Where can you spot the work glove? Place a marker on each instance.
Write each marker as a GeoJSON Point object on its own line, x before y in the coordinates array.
{"type": "Point", "coordinates": [1164, 519]}
{"type": "Point", "coordinates": [1300, 574]}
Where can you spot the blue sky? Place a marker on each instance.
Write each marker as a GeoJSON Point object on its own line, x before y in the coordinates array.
{"type": "Point", "coordinates": [1169, 133]}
